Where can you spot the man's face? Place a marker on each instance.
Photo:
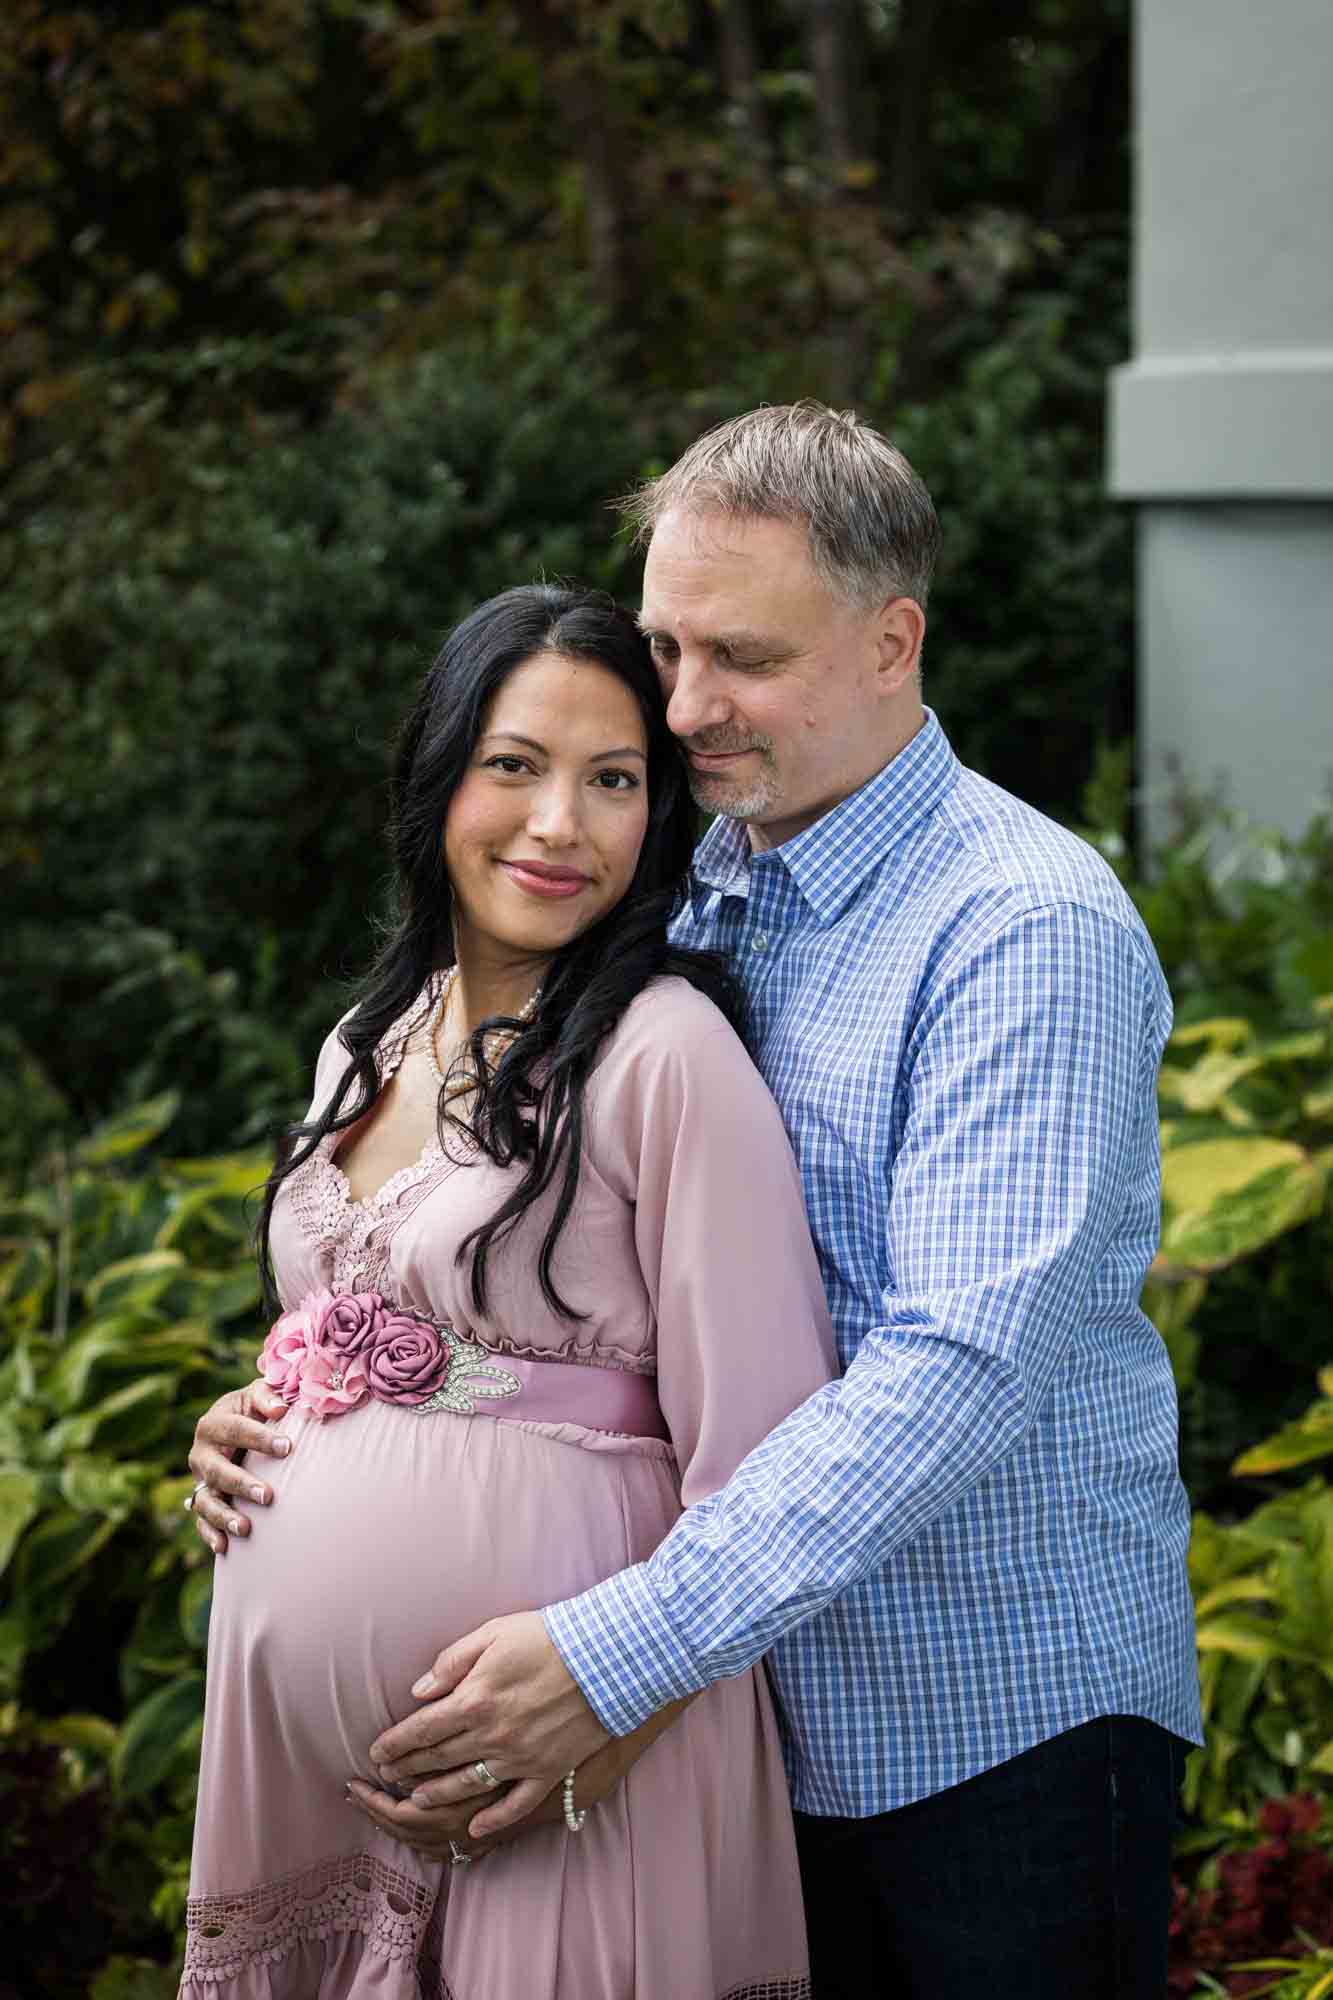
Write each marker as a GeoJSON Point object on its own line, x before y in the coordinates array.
{"type": "Point", "coordinates": [773, 685]}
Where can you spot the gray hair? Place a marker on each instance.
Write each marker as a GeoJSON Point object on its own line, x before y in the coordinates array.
{"type": "Point", "coordinates": [872, 527]}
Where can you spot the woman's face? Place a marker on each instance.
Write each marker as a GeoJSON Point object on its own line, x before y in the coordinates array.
{"type": "Point", "coordinates": [543, 834]}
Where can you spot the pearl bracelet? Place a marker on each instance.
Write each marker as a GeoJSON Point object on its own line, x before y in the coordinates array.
{"type": "Point", "coordinates": [573, 1820]}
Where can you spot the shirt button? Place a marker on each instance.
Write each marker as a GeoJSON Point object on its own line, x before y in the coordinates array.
{"type": "Point", "coordinates": [759, 942]}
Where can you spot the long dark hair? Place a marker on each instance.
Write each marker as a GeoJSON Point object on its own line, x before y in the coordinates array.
{"type": "Point", "coordinates": [528, 1104]}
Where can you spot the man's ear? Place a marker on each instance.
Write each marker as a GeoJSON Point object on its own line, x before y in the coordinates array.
{"type": "Point", "coordinates": [901, 631]}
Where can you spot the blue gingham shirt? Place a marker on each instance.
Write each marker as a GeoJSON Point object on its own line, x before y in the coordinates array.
{"type": "Point", "coordinates": [976, 1537]}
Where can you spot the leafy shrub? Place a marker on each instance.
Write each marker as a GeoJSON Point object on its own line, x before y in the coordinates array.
{"type": "Point", "coordinates": [129, 1302]}
{"type": "Point", "coordinates": [1031, 623]}
{"type": "Point", "coordinates": [207, 653]}
{"type": "Point", "coordinates": [1242, 918]}
{"type": "Point", "coordinates": [1259, 1907]}
{"type": "Point", "coordinates": [1263, 1590]}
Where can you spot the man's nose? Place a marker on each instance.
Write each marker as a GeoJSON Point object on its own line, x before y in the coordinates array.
{"type": "Point", "coordinates": [695, 698]}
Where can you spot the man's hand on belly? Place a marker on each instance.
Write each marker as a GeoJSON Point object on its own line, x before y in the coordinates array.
{"type": "Point", "coordinates": [504, 1696]}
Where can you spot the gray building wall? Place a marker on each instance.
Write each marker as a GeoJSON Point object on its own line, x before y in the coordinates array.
{"type": "Point", "coordinates": [1222, 425]}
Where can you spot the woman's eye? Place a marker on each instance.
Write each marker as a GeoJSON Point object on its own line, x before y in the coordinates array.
{"type": "Point", "coordinates": [617, 781]}
{"type": "Point", "coordinates": [512, 767]}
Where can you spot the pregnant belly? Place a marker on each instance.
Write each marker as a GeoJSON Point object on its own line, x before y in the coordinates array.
{"type": "Point", "coordinates": [390, 1535]}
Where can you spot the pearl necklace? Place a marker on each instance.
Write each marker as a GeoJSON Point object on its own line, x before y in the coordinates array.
{"type": "Point", "coordinates": [437, 1013]}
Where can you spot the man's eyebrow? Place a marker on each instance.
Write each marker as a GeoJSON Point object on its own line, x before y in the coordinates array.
{"type": "Point", "coordinates": [531, 743]}
{"type": "Point", "coordinates": [740, 641]}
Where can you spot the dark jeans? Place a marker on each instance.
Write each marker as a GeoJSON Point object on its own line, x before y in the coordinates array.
{"type": "Point", "coordinates": [1046, 1878]}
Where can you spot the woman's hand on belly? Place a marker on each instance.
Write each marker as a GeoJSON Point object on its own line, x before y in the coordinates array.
{"type": "Point", "coordinates": [239, 1421]}
{"type": "Point", "coordinates": [440, 1830]}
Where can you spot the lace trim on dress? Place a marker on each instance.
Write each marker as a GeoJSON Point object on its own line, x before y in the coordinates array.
{"type": "Point", "coordinates": [354, 1238]}
{"type": "Point", "coordinates": [435, 1986]}
{"type": "Point", "coordinates": [355, 1235]}
{"type": "Point", "coordinates": [772, 1989]}
{"type": "Point", "coordinates": [352, 1893]}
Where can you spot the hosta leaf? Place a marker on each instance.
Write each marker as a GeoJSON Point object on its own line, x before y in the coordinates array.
{"type": "Point", "coordinates": [1276, 1729]}
{"type": "Point", "coordinates": [130, 1131]}
{"type": "Point", "coordinates": [135, 1281]}
{"type": "Point", "coordinates": [1225, 1031]}
{"type": "Point", "coordinates": [155, 1732]}
{"type": "Point", "coordinates": [1205, 1086]}
{"type": "Point", "coordinates": [1237, 1636]}
{"type": "Point", "coordinates": [125, 1421]}
{"type": "Point", "coordinates": [1171, 1308]}
{"type": "Point", "coordinates": [20, 1503]}
{"type": "Point", "coordinates": [1297, 1444]}
{"type": "Point", "coordinates": [228, 1174]}
{"type": "Point", "coordinates": [195, 1599]}
{"type": "Point", "coordinates": [91, 1733]}
{"type": "Point", "coordinates": [103, 1485]}
{"type": "Point", "coordinates": [14, 1639]}
{"type": "Point", "coordinates": [1307, 1046]}
{"type": "Point", "coordinates": [1240, 1590]}
{"type": "Point", "coordinates": [58, 1547]}
{"type": "Point", "coordinates": [134, 1979]}
{"type": "Point", "coordinates": [1238, 1686]}
{"type": "Point", "coordinates": [107, 1344]}
{"type": "Point", "coordinates": [233, 1293]}
{"type": "Point", "coordinates": [1225, 1198]}
{"type": "Point", "coordinates": [26, 1275]}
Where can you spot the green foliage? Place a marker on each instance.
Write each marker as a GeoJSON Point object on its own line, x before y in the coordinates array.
{"type": "Point", "coordinates": [1240, 1289]}
{"type": "Point", "coordinates": [129, 1296]}
{"type": "Point", "coordinates": [1310, 1437]}
{"type": "Point", "coordinates": [1264, 1609]}
{"type": "Point", "coordinates": [201, 694]}
{"type": "Point", "coordinates": [1242, 919]}
{"type": "Point", "coordinates": [1031, 620]}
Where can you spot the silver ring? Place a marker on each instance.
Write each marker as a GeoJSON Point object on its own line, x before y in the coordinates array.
{"type": "Point", "coordinates": [457, 1858]}
{"type": "Point", "coordinates": [484, 1775]}
{"type": "Point", "coordinates": [190, 1498]}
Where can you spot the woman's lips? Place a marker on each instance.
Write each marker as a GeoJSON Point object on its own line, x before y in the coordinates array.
{"type": "Point", "coordinates": [551, 884]}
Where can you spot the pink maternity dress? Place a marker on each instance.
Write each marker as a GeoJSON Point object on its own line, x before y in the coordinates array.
{"type": "Point", "coordinates": [393, 1533]}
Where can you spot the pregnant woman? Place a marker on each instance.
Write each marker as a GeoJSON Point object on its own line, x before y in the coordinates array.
{"type": "Point", "coordinates": [544, 1277]}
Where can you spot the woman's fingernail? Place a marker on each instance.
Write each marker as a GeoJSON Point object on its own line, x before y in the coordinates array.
{"type": "Point", "coordinates": [257, 1493]}
{"type": "Point", "coordinates": [282, 1446]}
{"type": "Point", "coordinates": [234, 1524]}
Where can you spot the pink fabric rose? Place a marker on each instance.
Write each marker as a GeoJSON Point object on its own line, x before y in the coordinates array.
{"type": "Point", "coordinates": [409, 1361]}
{"type": "Point", "coordinates": [330, 1383]}
{"type": "Point", "coordinates": [350, 1322]}
{"type": "Point", "coordinates": [290, 1339]}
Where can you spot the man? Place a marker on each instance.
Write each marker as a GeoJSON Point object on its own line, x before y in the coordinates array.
{"type": "Point", "coordinates": [966, 1558]}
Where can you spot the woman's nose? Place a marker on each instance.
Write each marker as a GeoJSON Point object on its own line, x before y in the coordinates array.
{"type": "Point", "coordinates": [554, 815]}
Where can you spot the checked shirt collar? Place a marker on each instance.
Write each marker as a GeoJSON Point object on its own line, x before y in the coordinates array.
{"type": "Point", "coordinates": [829, 860]}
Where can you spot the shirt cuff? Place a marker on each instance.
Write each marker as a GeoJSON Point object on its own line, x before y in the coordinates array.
{"type": "Point", "coordinates": [622, 1650]}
